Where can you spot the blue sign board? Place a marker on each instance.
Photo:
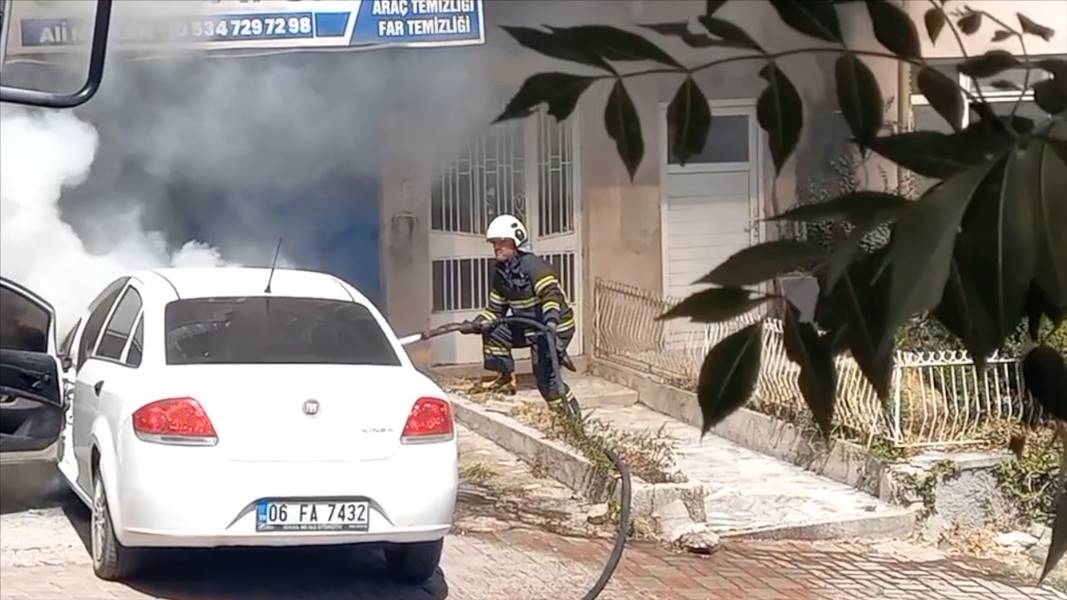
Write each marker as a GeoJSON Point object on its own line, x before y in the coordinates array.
{"type": "Point", "coordinates": [226, 25]}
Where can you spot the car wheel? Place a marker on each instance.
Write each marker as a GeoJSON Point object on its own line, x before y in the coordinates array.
{"type": "Point", "coordinates": [111, 560]}
{"type": "Point", "coordinates": [414, 563]}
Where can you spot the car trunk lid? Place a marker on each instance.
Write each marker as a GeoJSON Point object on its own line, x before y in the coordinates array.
{"type": "Point", "coordinates": [298, 413]}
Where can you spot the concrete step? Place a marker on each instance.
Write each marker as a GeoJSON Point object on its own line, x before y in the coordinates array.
{"type": "Point", "coordinates": [591, 392]}
{"type": "Point", "coordinates": [753, 495]}
{"type": "Point", "coordinates": [727, 489]}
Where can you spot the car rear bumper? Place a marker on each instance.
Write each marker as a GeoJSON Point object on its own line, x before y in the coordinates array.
{"type": "Point", "coordinates": [181, 497]}
{"type": "Point", "coordinates": [185, 539]}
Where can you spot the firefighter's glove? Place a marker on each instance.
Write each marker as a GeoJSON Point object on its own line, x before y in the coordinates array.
{"type": "Point", "coordinates": [473, 327]}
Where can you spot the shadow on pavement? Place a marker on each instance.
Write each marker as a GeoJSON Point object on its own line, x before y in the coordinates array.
{"type": "Point", "coordinates": [32, 485]}
{"type": "Point", "coordinates": [266, 574]}
{"type": "Point", "coordinates": [262, 574]}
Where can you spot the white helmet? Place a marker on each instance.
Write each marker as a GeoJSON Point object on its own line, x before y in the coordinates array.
{"type": "Point", "coordinates": [508, 227]}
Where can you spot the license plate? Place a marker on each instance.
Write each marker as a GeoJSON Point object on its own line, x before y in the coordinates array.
{"type": "Point", "coordinates": [312, 516]}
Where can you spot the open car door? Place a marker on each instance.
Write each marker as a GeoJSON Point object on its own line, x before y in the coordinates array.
{"type": "Point", "coordinates": [31, 386]}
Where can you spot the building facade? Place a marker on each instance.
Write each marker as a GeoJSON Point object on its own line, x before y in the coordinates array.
{"type": "Point", "coordinates": [672, 223]}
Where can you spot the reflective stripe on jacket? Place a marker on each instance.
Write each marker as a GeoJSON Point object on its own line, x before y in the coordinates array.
{"type": "Point", "coordinates": [529, 286]}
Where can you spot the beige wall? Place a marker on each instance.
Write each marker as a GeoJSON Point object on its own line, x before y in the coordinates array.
{"type": "Point", "coordinates": [1050, 13]}
{"type": "Point", "coordinates": [622, 232]}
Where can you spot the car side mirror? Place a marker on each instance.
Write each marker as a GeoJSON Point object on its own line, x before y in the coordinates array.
{"type": "Point", "coordinates": [97, 54]}
{"type": "Point", "coordinates": [67, 363]}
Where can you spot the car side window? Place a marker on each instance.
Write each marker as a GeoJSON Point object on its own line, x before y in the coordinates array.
{"type": "Point", "coordinates": [98, 312]}
{"type": "Point", "coordinates": [133, 355]}
{"type": "Point", "coordinates": [120, 326]}
{"type": "Point", "coordinates": [23, 323]}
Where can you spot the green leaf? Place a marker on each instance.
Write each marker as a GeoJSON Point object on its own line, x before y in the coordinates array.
{"type": "Point", "coordinates": [859, 97]}
{"type": "Point", "coordinates": [1050, 216]}
{"type": "Point", "coordinates": [560, 91]}
{"type": "Point", "coordinates": [922, 247]}
{"type": "Point", "coordinates": [894, 30]}
{"type": "Point", "coordinates": [1047, 96]}
{"type": "Point", "coordinates": [995, 243]}
{"type": "Point", "coordinates": [715, 305]}
{"type": "Point", "coordinates": [1034, 28]}
{"type": "Point", "coordinates": [729, 374]}
{"type": "Point", "coordinates": [860, 300]}
{"type": "Point", "coordinates": [624, 126]}
{"type": "Point", "coordinates": [1001, 35]}
{"type": "Point", "coordinates": [963, 313]}
{"type": "Point", "coordinates": [970, 23]}
{"type": "Point", "coordinates": [935, 22]}
{"type": "Point", "coordinates": [730, 33]}
{"type": "Point", "coordinates": [818, 376]}
{"type": "Point", "coordinates": [1005, 85]}
{"type": "Point", "coordinates": [780, 113]}
{"type": "Point", "coordinates": [1058, 544]}
{"type": "Point", "coordinates": [556, 46]}
{"type": "Point", "coordinates": [877, 207]}
{"type": "Point", "coordinates": [614, 44]}
{"type": "Point", "coordinates": [816, 18]}
{"type": "Point", "coordinates": [943, 95]}
{"type": "Point", "coordinates": [762, 262]}
{"type": "Point", "coordinates": [689, 119]}
{"type": "Point", "coordinates": [988, 64]}
{"type": "Point", "coordinates": [712, 6]}
{"type": "Point", "coordinates": [693, 40]}
{"type": "Point", "coordinates": [1039, 305]}
{"type": "Point", "coordinates": [1045, 376]}
{"type": "Point", "coordinates": [934, 154]}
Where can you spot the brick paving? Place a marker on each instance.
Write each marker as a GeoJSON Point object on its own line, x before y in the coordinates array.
{"type": "Point", "coordinates": [530, 565]}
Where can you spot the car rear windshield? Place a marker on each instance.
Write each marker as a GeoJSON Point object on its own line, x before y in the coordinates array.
{"type": "Point", "coordinates": [274, 330]}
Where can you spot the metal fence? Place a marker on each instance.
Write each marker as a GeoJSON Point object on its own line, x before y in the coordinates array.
{"type": "Point", "coordinates": [936, 398]}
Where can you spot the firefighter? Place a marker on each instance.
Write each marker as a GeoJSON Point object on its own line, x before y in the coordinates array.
{"type": "Point", "coordinates": [526, 285]}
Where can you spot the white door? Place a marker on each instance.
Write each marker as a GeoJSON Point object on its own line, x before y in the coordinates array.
{"type": "Point", "coordinates": [710, 206]}
{"type": "Point", "coordinates": [524, 168]}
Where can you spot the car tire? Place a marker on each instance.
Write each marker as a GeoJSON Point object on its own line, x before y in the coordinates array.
{"type": "Point", "coordinates": [111, 560]}
{"type": "Point", "coordinates": [414, 563]}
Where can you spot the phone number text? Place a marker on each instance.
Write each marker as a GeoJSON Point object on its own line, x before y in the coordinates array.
{"type": "Point", "coordinates": [268, 26]}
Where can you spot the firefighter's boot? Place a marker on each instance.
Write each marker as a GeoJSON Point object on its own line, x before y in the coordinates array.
{"type": "Point", "coordinates": [504, 383]}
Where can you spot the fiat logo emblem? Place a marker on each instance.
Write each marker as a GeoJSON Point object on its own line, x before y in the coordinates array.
{"type": "Point", "coordinates": [311, 407]}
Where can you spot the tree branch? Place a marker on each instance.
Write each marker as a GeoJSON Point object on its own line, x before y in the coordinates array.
{"type": "Point", "coordinates": [785, 53]}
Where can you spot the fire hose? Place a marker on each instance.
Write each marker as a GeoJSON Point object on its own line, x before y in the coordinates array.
{"type": "Point", "coordinates": [572, 410]}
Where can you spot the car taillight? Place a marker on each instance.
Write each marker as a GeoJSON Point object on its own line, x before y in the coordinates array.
{"type": "Point", "coordinates": [430, 421]}
{"type": "Point", "coordinates": [174, 421]}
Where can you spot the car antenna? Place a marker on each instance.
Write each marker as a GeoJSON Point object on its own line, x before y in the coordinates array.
{"type": "Point", "coordinates": [273, 263]}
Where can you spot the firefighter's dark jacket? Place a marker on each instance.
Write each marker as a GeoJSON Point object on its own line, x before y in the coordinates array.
{"type": "Point", "coordinates": [528, 285]}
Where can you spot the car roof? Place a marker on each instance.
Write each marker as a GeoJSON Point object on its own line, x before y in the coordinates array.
{"type": "Point", "coordinates": [205, 282]}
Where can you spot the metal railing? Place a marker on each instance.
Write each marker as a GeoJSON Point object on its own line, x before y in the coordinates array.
{"type": "Point", "coordinates": [936, 398]}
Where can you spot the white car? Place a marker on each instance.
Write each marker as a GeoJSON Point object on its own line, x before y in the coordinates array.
{"type": "Point", "coordinates": [211, 409]}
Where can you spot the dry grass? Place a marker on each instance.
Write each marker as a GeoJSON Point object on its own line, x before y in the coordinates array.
{"type": "Point", "coordinates": [649, 454]}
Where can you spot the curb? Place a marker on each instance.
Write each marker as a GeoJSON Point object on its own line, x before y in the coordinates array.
{"type": "Point", "coordinates": [669, 507]}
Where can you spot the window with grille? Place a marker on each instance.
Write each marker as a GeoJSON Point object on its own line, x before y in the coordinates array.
{"type": "Point", "coordinates": [487, 180]}
{"type": "Point", "coordinates": [462, 284]}
{"type": "Point", "coordinates": [555, 176]}
{"type": "Point", "coordinates": [564, 264]}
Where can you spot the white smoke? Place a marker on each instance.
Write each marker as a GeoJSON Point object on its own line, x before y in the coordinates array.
{"type": "Point", "coordinates": [41, 153]}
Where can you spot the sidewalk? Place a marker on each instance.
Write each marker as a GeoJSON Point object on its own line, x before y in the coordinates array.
{"type": "Point", "coordinates": [533, 565]}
